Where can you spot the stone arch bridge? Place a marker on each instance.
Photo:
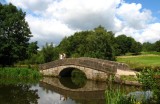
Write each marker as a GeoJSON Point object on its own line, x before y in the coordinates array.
{"type": "Point", "coordinates": [94, 69]}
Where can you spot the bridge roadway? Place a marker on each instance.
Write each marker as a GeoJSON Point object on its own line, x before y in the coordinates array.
{"type": "Point", "coordinates": [93, 68]}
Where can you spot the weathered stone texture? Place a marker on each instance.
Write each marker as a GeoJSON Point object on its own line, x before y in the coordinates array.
{"type": "Point", "coordinates": [93, 63]}
{"type": "Point", "coordinates": [95, 69]}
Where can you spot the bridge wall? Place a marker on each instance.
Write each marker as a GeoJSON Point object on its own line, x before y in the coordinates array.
{"type": "Point", "coordinates": [93, 63]}
{"type": "Point", "coordinates": [90, 73]}
{"type": "Point", "coordinates": [95, 69]}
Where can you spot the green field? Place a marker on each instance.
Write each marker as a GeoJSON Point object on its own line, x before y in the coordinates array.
{"type": "Point", "coordinates": [145, 59]}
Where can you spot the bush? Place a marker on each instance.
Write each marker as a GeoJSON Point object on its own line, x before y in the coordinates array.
{"type": "Point", "coordinates": [150, 82]}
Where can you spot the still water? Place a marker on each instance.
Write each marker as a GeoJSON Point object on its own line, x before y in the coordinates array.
{"type": "Point", "coordinates": [55, 91]}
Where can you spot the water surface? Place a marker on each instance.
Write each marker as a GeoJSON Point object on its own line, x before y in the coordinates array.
{"type": "Point", "coordinates": [55, 91]}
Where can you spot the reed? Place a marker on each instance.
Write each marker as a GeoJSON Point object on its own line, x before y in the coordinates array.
{"type": "Point", "coordinates": [10, 72]}
{"type": "Point", "coordinates": [119, 96]}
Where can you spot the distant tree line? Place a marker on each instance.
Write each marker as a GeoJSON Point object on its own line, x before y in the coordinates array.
{"type": "Point", "coordinates": [97, 43]}
{"type": "Point", "coordinates": [148, 47]}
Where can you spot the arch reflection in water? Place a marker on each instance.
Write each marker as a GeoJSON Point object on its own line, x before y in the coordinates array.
{"type": "Point", "coordinates": [90, 92]}
{"type": "Point", "coordinates": [68, 82]}
{"type": "Point", "coordinates": [72, 78]}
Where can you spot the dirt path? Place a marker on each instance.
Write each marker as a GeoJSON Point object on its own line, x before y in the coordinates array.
{"type": "Point", "coordinates": [126, 72]}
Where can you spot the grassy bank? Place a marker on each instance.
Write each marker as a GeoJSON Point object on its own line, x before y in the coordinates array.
{"type": "Point", "coordinates": [19, 73]}
{"type": "Point", "coordinates": [146, 59]}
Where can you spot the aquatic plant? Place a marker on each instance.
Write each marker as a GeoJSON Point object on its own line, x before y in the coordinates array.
{"type": "Point", "coordinates": [116, 96]}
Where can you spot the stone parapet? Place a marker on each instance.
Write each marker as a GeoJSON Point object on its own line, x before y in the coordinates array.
{"type": "Point", "coordinates": [93, 63]}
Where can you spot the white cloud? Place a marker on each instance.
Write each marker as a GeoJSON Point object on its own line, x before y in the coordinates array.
{"type": "Point", "coordinates": [59, 18]}
{"type": "Point", "coordinates": [137, 22]}
{"type": "Point", "coordinates": [47, 30]}
{"type": "Point", "coordinates": [151, 33]}
{"type": "Point", "coordinates": [33, 5]}
{"type": "Point", "coordinates": [85, 14]}
{"type": "Point", "coordinates": [134, 16]}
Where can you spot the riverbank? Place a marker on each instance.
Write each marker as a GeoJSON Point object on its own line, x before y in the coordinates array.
{"type": "Point", "coordinates": [15, 72]}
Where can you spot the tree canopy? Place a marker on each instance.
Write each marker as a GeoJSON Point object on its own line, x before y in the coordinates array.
{"type": "Point", "coordinates": [124, 44]}
{"type": "Point", "coordinates": [95, 43]}
{"type": "Point", "coordinates": [14, 34]}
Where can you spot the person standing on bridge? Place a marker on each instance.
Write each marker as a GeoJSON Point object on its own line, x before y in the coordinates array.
{"type": "Point", "coordinates": [62, 56]}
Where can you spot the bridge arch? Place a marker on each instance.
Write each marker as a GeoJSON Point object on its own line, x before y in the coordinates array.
{"type": "Point", "coordinates": [94, 69]}
{"type": "Point", "coordinates": [66, 72]}
{"type": "Point", "coordinates": [90, 73]}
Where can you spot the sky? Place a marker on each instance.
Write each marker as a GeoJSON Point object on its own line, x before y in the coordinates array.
{"type": "Point", "coordinates": [52, 20]}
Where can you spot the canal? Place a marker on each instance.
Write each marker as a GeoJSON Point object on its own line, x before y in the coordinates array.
{"type": "Point", "coordinates": [55, 91]}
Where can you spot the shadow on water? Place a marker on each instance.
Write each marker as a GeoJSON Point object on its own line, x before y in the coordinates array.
{"type": "Point", "coordinates": [18, 94]}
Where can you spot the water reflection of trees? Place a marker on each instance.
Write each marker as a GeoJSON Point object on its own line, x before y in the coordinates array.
{"type": "Point", "coordinates": [18, 94]}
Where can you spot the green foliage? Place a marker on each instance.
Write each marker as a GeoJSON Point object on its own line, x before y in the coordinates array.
{"type": "Point", "coordinates": [136, 48]}
{"type": "Point", "coordinates": [96, 44]}
{"type": "Point", "coordinates": [128, 78]}
{"type": "Point", "coordinates": [148, 47]}
{"type": "Point", "coordinates": [126, 44]}
{"type": "Point", "coordinates": [150, 81]}
{"type": "Point", "coordinates": [123, 44]}
{"type": "Point", "coordinates": [22, 73]}
{"type": "Point", "coordinates": [48, 53]}
{"type": "Point", "coordinates": [146, 77]}
{"type": "Point", "coordinates": [116, 96]}
{"type": "Point", "coordinates": [15, 81]}
{"type": "Point", "coordinates": [78, 77]}
{"type": "Point", "coordinates": [14, 35]}
{"type": "Point", "coordinates": [32, 49]}
{"type": "Point", "coordinates": [157, 46]}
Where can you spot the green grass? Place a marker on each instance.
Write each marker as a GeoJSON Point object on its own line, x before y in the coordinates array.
{"type": "Point", "coordinates": [149, 53]}
{"type": "Point", "coordinates": [19, 73]}
{"type": "Point", "coordinates": [145, 59]}
{"type": "Point", "coordinates": [128, 78]}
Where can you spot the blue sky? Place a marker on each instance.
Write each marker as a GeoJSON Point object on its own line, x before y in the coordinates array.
{"type": "Point", "coordinates": [153, 5]}
{"type": "Point", "coordinates": [2, 1]}
{"type": "Point", "coordinates": [52, 20]}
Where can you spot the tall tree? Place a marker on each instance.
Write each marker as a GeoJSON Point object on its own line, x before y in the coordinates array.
{"type": "Point", "coordinates": [32, 49]}
{"type": "Point", "coordinates": [123, 44]}
{"type": "Point", "coordinates": [95, 43]}
{"type": "Point", "coordinates": [14, 34]}
{"type": "Point", "coordinates": [49, 52]}
{"type": "Point", "coordinates": [136, 47]}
